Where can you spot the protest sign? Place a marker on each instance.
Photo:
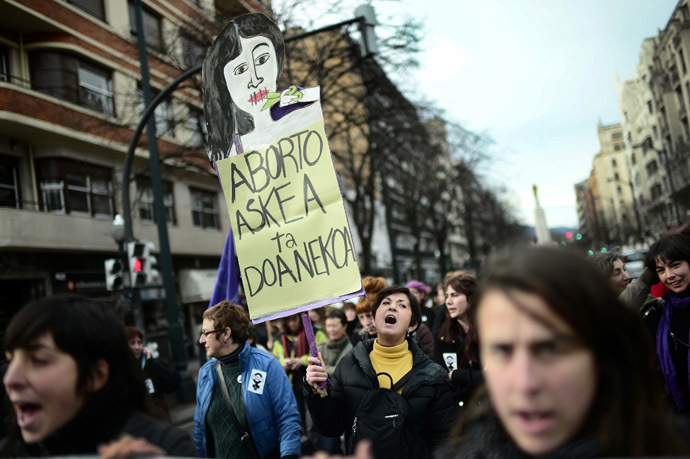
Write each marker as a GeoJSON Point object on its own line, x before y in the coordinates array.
{"type": "Point", "coordinates": [290, 229]}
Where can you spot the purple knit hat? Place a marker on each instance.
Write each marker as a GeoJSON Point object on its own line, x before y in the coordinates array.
{"type": "Point", "coordinates": [418, 285]}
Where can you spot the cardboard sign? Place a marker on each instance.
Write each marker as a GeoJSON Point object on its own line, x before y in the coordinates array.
{"type": "Point", "coordinates": [289, 226]}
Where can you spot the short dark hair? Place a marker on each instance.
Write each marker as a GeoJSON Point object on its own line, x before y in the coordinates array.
{"type": "Point", "coordinates": [88, 332]}
{"type": "Point", "coordinates": [227, 315]}
{"type": "Point", "coordinates": [414, 305]}
{"type": "Point", "coordinates": [337, 314]}
{"type": "Point", "coordinates": [133, 332]}
{"type": "Point", "coordinates": [605, 261]}
{"type": "Point", "coordinates": [674, 247]}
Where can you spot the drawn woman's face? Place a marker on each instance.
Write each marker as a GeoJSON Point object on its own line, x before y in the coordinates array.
{"type": "Point", "coordinates": [253, 74]}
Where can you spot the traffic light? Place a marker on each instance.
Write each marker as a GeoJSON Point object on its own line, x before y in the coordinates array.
{"type": "Point", "coordinates": [578, 236]}
{"type": "Point", "coordinates": [568, 235]}
{"type": "Point", "coordinates": [143, 267]}
{"type": "Point", "coordinates": [113, 274]}
{"type": "Point", "coordinates": [136, 253]}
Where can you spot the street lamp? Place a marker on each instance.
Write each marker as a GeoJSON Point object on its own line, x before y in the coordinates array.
{"type": "Point", "coordinates": [664, 158]}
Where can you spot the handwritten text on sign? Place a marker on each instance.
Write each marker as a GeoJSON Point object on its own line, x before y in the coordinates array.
{"type": "Point", "coordinates": [291, 233]}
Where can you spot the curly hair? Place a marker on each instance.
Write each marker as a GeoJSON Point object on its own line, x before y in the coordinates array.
{"type": "Point", "coordinates": [372, 286]}
{"type": "Point", "coordinates": [227, 315]}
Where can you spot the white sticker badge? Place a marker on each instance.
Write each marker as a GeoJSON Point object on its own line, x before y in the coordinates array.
{"type": "Point", "coordinates": [451, 359]}
{"type": "Point", "coordinates": [256, 382]}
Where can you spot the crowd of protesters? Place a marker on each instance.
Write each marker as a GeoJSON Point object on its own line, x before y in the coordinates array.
{"type": "Point", "coordinates": [548, 353]}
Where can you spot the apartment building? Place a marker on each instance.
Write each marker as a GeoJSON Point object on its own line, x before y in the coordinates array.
{"type": "Point", "coordinates": [70, 96]}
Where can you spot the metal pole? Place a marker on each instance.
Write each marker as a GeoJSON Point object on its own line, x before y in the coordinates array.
{"type": "Point", "coordinates": [164, 258]}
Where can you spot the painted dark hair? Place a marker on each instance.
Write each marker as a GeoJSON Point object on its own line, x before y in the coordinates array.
{"type": "Point", "coordinates": [224, 120]}
{"type": "Point", "coordinates": [673, 247]}
{"type": "Point", "coordinates": [416, 318]}
{"type": "Point", "coordinates": [629, 416]}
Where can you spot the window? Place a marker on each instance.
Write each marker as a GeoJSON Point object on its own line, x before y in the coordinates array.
{"type": "Point", "coordinates": [197, 126]}
{"type": "Point", "coordinates": [619, 190]}
{"type": "Point", "coordinates": [93, 7]}
{"type": "Point", "coordinates": [617, 135]}
{"type": "Point", "coordinates": [618, 147]}
{"type": "Point", "coordinates": [629, 138]}
{"type": "Point", "coordinates": [4, 64]}
{"type": "Point", "coordinates": [650, 109]}
{"type": "Point", "coordinates": [193, 52]}
{"type": "Point", "coordinates": [652, 168]}
{"type": "Point", "coordinates": [616, 177]}
{"type": "Point", "coordinates": [641, 200]}
{"type": "Point", "coordinates": [73, 187]}
{"type": "Point", "coordinates": [67, 77]}
{"type": "Point", "coordinates": [9, 182]}
{"type": "Point", "coordinates": [655, 132]}
{"type": "Point", "coordinates": [204, 208]}
{"type": "Point", "coordinates": [95, 89]}
{"type": "Point", "coordinates": [165, 123]}
{"type": "Point", "coordinates": [152, 27]}
{"type": "Point", "coordinates": [633, 161]}
{"type": "Point", "coordinates": [146, 206]}
{"type": "Point", "coordinates": [613, 163]}
{"type": "Point", "coordinates": [656, 192]}
{"type": "Point", "coordinates": [681, 58]}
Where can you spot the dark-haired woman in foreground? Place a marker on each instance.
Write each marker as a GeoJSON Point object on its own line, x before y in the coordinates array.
{"type": "Point", "coordinates": [75, 387]}
{"type": "Point", "coordinates": [568, 370]}
{"type": "Point", "coordinates": [421, 392]}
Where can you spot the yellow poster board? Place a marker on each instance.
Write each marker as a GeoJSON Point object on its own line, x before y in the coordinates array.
{"type": "Point", "coordinates": [291, 233]}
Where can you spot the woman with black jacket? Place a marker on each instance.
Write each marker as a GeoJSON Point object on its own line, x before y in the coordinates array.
{"type": "Point", "coordinates": [456, 346]}
{"type": "Point", "coordinates": [387, 391]}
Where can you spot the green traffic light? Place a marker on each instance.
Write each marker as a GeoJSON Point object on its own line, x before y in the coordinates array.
{"type": "Point", "coordinates": [603, 249]}
{"type": "Point", "coordinates": [590, 252]}
{"type": "Point", "coordinates": [578, 236]}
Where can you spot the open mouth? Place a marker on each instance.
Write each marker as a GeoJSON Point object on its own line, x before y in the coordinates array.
{"type": "Point", "coordinates": [390, 319]}
{"type": "Point", "coordinates": [535, 421]}
{"type": "Point", "coordinates": [26, 413]}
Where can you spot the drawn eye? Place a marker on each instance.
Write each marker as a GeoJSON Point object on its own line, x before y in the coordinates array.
{"type": "Point", "coordinates": [240, 69]}
{"type": "Point", "coordinates": [262, 59]}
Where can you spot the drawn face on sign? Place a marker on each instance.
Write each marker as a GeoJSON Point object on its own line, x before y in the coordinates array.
{"type": "Point", "coordinates": [253, 74]}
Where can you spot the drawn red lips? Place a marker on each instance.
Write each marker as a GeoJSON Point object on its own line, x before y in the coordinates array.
{"type": "Point", "coordinates": [258, 96]}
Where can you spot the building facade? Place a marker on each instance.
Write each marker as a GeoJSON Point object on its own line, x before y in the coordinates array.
{"type": "Point", "coordinates": [70, 96]}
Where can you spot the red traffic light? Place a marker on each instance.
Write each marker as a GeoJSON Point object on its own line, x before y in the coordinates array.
{"type": "Point", "coordinates": [568, 235]}
{"type": "Point", "coordinates": [138, 265]}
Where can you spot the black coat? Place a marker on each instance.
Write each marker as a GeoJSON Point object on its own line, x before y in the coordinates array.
{"type": "Point", "coordinates": [468, 376]}
{"type": "Point", "coordinates": [427, 393]}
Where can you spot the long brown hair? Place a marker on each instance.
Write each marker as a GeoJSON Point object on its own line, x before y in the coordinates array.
{"type": "Point", "coordinates": [452, 330]}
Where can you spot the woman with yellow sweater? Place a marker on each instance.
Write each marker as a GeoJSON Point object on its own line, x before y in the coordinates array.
{"type": "Point", "coordinates": [387, 390]}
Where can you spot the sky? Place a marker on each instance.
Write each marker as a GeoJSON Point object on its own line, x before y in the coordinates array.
{"type": "Point", "coordinates": [534, 75]}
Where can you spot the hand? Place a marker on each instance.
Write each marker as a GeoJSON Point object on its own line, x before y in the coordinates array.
{"type": "Point", "coordinates": [147, 352]}
{"type": "Point", "coordinates": [450, 374]}
{"type": "Point", "coordinates": [127, 447]}
{"type": "Point", "coordinates": [316, 371]}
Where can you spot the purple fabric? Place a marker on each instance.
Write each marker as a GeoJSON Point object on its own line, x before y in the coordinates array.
{"type": "Point", "coordinates": [663, 350]}
{"type": "Point", "coordinates": [227, 280]}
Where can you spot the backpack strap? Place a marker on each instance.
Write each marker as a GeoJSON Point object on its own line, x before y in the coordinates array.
{"type": "Point", "coordinates": [402, 381]}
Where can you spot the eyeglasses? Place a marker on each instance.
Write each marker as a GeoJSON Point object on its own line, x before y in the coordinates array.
{"type": "Point", "coordinates": [206, 333]}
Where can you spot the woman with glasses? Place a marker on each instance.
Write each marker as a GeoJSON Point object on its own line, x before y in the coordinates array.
{"type": "Point", "coordinates": [245, 405]}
